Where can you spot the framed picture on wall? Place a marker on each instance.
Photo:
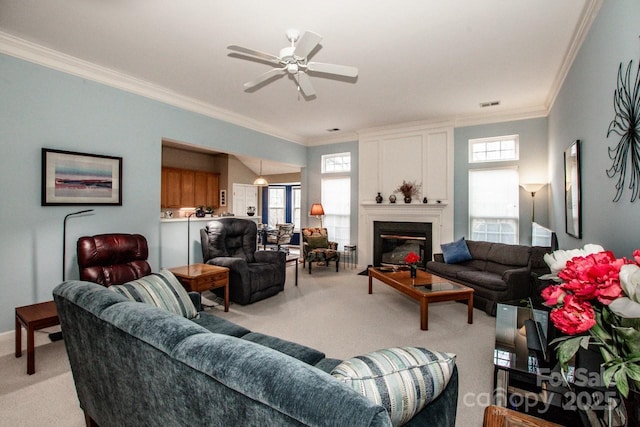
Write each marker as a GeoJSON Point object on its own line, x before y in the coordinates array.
{"type": "Point", "coordinates": [70, 178]}
{"type": "Point", "coordinates": [572, 202]}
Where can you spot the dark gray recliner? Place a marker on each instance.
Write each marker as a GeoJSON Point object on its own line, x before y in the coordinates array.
{"type": "Point", "coordinates": [253, 275]}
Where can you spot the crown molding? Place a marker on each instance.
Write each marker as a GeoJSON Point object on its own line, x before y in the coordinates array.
{"type": "Point", "coordinates": [582, 29]}
{"type": "Point", "coordinates": [37, 54]}
{"type": "Point", "coordinates": [336, 139]}
{"type": "Point", "coordinates": [502, 116]}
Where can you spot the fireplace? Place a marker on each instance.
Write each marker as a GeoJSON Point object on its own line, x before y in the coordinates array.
{"type": "Point", "coordinates": [393, 240]}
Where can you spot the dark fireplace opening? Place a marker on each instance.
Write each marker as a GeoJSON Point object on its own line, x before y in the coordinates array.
{"type": "Point", "coordinates": [393, 240]}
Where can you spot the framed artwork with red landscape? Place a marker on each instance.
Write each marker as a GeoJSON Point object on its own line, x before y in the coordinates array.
{"type": "Point", "coordinates": [70, 178]}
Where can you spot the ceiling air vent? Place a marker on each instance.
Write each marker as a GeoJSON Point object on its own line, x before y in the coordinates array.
{"type": "Point", "coordinates": [489, 104]}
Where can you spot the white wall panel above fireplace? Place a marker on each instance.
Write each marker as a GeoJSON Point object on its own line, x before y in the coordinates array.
{"type": "Point", "coordinates": [421, 153]}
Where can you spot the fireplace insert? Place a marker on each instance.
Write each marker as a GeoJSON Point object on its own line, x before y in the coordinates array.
{"type": "Point", "coordinates": [394, 240]}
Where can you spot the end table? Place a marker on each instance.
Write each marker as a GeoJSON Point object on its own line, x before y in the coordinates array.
{"type": "Point", "coordinates": [33, 317]}
{"type": "Point", "coordinates": [204, 277]}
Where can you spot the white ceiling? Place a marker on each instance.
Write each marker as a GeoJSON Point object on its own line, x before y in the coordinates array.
{"type": "Point", "coordinates": [418, 60]}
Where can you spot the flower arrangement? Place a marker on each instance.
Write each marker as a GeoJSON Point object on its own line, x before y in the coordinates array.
{"type": "Point", "coordinates": [597, 302]}
{"type": "Point", "coordinates": [409, 189]}
{"type": "Point", "coordinates": [412, 259]}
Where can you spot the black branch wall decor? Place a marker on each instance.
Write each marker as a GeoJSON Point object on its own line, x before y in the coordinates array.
{"type": "Point", "coordinates": [626, 124]}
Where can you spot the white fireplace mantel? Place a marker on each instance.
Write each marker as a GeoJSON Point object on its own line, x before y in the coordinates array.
{"type": "Point", "coordinates": [438, 214]}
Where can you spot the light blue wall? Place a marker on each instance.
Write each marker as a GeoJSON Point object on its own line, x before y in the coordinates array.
{"type": "Point", "coordinates": [40, 107]}
{"type": "Point", "coordinates": [583, 110]}
{"type": "Point", "coordinates": [312, 177]}
{"type": "Point", "coordinates": [532, 167]}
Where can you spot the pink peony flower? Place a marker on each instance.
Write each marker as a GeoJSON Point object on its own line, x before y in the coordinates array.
{"type": "Point", "coordinates": [553, 295]}
{"type": "Point", "coordinates": [574, 317]}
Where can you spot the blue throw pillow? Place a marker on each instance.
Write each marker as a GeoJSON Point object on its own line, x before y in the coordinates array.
{"type": "Point", "coordinates": [455, 252]}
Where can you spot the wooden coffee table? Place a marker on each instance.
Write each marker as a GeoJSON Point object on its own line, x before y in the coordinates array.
{"type": "Point", "coordinates": [204, 277]}
{"type": "Point", "coordinates": [425, 288]}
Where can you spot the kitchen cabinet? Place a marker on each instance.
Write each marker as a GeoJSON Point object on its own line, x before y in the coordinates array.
{"type": "Point", "coordinates": [188, 188]}
{"type": "Point", "coordinates": [206, 189]}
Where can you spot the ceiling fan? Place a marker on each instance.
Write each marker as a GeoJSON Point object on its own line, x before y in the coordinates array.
{"type": "Point", "coordinates": [293, 60]}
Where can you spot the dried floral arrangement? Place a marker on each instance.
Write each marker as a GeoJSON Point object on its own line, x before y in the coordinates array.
{"type": "Point", "coordinates": [409, 189]}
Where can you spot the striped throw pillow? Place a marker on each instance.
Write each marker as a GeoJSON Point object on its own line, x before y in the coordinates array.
{"type": "Point", "coordinates": [401, 379]}
{"type": "Point", "coordinates": [160, 289]}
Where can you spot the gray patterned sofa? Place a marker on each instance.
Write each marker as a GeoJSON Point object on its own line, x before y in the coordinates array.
{"type": "Point", "coordinates": [134, 364]}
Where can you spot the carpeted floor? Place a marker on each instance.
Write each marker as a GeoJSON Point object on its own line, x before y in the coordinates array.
{"type": "Point", "coordinates": [329, 311]}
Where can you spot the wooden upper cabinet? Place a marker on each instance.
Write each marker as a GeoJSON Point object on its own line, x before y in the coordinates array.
{"type": "Point", "coordinates": [212, 193]}
{"type": "Point", "coordinates": [171, 188]}
{"type": "Point", "coordinates": [188, 188]}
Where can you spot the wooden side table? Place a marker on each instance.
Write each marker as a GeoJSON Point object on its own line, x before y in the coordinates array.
{"type": "Point", "coordinates": [33, 317]}
{"type": "Point", "coordinates": [204, 277]}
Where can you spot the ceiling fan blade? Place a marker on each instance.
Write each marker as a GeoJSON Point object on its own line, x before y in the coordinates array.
{"type": "Point", "coordinates": [264, 77]}
{"type": "Point", "coordinates": [258, 54]}
{"type": "Point", "coordinates": [306, 44]}
{"type": "Point", "coordinates": [341, 70]}
{"type": "Point", "coordinates": [304, 83]}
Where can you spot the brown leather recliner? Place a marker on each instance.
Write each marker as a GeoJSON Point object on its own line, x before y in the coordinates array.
{"type": "Point", "coordinates": [113, 259]}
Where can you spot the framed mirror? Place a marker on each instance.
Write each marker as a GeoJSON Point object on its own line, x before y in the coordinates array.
{"type": "Point", "coordinates": [572, 202]}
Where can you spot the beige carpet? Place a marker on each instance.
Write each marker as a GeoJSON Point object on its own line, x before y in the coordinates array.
{"type": "Point", "coordinates": [329, 311]}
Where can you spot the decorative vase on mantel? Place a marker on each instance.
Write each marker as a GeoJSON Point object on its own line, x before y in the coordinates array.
{"type": "Point", "coordinates": [379, 198]}
{"type": "Point", "coordinates": [407, 199]}
{"type": "Point", "coordinates": [392, 198]}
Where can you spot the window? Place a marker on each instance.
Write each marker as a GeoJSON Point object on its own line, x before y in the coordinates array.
{"type": "Point", "coordinates": [295, 206]}
{"type": "Point", "coordinates": [497, 149]}
{"type": "Point", "coordinates": [493, 205]}
{"type": "Point", "coordinates": [336, 197]}
{"type": "Point", "coordinates": [336, 163]}
{"type": "Point", "coordinates": [277, 205]}
{"type": "Point", "coordinates": [336, 201]}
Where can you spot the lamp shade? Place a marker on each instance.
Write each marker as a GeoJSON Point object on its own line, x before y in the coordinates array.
{"type": "Point", "coordinates": [260, 181]}
{"type": "Point", "coordinates": [316, 209]}
{"type": "Point", "coordinates": [532, 188]}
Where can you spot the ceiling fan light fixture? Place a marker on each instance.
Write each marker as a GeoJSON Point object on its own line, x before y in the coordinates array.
{"type": "Point", "coordinates": [294, 61]}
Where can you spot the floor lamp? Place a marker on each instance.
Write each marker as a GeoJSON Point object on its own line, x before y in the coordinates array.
{"type": "Point", "coordinates": [533, 189]}
{"type": "Point", "coordinates": [64, 239]}
{"type": "Point", "coordinates": [189, 239]}
{"type": "Point", "coordinates": [56, 336]}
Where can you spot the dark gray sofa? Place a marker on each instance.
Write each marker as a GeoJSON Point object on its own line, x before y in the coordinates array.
{"type": "Point", "coordinates": [134, 364]}
{"type": "Point", "coordinates": [497, 272]}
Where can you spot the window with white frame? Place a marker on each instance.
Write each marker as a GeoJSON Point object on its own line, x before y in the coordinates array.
{"type": "Point", "coordinates": [336, 163]}
{"type": "Point", "coordinates": [494, 205]}
{"type": "Point", "coordinates": [336, 196]}
{"type": "Point", "coordinates": [336, 201]}
{"type": "Point", "coordinates": [277, 205]}
{"type": "Point", "coordinates": [495, 149]}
